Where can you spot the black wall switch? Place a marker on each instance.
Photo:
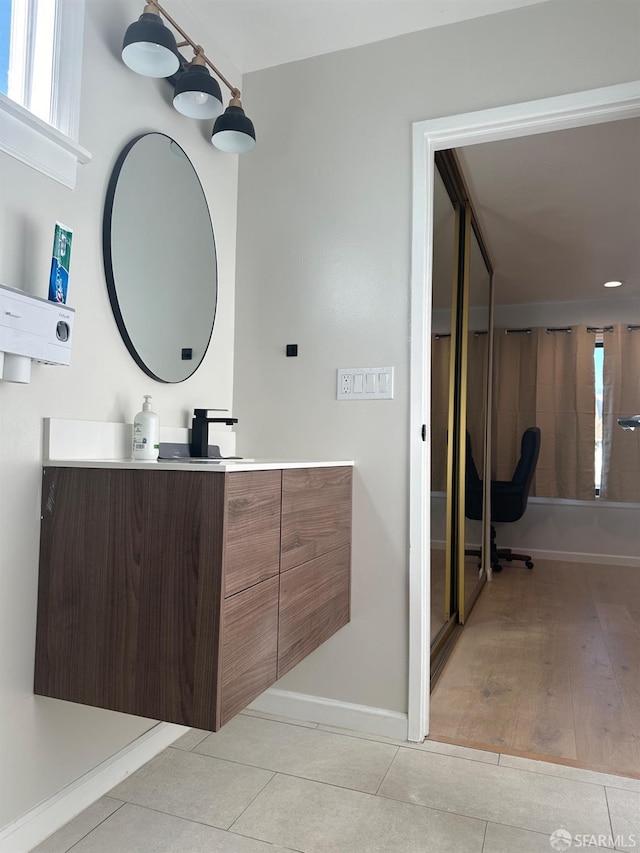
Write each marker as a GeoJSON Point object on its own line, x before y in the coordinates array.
{"type": "Point", "coordinates": [292, 349]}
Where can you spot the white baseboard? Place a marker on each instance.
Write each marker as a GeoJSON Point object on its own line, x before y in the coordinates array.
{"type": "Point", "coordinates": [577, 557]}
{"type": "Point", "coordinates": [330, 712]}
{"type": "Point", "coordinates": [40, 822]}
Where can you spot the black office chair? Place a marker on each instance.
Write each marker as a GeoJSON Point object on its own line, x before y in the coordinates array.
{"type": "Point", "coordinates": [508, 497]}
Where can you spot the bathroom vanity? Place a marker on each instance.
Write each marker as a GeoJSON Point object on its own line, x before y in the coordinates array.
{"type": "Point", "coordinates": [181, 591]}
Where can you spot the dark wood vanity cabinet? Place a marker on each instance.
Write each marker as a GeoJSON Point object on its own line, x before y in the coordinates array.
{"type": "Point", "coordinates": [183, 595]}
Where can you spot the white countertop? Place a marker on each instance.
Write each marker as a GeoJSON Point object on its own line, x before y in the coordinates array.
{"type": "Point", "coordinates": [195, 465]}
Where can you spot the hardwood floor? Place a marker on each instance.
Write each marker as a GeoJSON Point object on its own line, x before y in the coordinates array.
{"type": "Point", "coordinates": [548, 665]}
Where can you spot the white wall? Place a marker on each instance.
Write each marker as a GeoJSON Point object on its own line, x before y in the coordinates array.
{"type": "Point", "coordinates": [581, 312]}
{"type": "Point", "coordinates": [46, 743]}
{"type": "Point", "coordinates": [324, 245]}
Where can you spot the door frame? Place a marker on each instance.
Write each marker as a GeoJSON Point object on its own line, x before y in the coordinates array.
{"type": "Point", "coordinates": [594, 106]}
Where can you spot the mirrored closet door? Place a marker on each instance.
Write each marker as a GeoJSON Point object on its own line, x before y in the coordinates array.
{"type": "Point", "coordinates": [460, 363]}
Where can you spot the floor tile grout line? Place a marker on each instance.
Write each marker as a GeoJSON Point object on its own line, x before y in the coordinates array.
{"type": "Point", "coordinates": [533, 831]}
{"type": "Point", "coordinates": [374, 797]}
{"type": "Point", "coordinates": [177, 816]}
{"type": "Point", "coordinates": [606, 798]}
{"type": "Point", "coordinates": [484, 837]}
{"type": "Point", "coordinates": [464, 815]}
{"type": "Point", "coordinates": [75, 843]}
{"type": "Point", "coordinates": [504, 767]}
{"type": "Point", "coordinates": [301, 724]}
{"type": "Point", "coordinates": [386, 773]}
{"type": "Point", "coordinates": [237, 818]}
{"type": "Point", "coordinates": [419, 747]}
{"type": "Point", "coordinates": [285, 772]}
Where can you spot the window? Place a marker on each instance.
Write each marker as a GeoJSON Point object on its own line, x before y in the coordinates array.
{"type": "Point", "coordinates": [28, 54]}
{"type": "Point", "coordinates": [40, 73]}
{"type": "Point", "coordinates": [5, 44]}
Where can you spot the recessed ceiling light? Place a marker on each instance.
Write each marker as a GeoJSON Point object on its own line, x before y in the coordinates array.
{"type": "Point", "coordinates": [613, 284]}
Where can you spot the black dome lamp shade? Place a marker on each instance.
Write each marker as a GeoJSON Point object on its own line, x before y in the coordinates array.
{"type": "Point", "coordinates": [149, 48]}
{"type": "Point", "coordinates": [197, 93]}
{"type": "Point", "coordinates": [233, 132]}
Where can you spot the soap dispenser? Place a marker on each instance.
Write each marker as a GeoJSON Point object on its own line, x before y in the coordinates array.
{"type": "Point", "coordinates": [146, 432]}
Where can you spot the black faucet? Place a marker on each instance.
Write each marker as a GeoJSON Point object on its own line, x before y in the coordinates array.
{"type": "Point", "coordinates": [199, 445]}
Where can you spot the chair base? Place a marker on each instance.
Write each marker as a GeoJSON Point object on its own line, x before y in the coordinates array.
{"type": "Point", "coordinates": [498, 554]}
{"type": "Point", "coordinates": [507, 554]}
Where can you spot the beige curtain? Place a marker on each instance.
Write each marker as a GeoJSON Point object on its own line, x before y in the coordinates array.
{"type": "Point", "coordinates": [477, 354]}
{"type": "Point", "coordinates": [440, 385]}
{"type": "Point", "coordinates": [514, 397]}
{"type": "Point", "coordinates": [546, 379]}
{"type": "Point", "coordinates": [565, 413]}
{"type": "Point", "coordinates": [621, 448]}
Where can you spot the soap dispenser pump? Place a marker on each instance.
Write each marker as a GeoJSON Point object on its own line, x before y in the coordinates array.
{"type": "Point", "coordinates": [146, 432]}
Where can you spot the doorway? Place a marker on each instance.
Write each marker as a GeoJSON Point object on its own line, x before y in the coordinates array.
{"type": "Point", "coordinates": [559, 113]}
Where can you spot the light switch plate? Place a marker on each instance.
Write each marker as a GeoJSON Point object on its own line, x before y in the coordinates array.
{"type": "Point", "coordinates": [364, 383]}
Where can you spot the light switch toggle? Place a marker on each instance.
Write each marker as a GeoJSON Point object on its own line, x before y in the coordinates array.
{"type": "Point", "coordinates": [364, 383]}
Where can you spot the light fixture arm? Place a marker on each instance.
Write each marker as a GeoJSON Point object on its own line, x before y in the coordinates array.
{"type": "Point", "coordinates": [197, 49]}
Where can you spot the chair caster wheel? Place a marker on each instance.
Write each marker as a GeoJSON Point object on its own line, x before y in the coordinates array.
{"type": "Point", "coordinates": [496, 567]}
{"type": "Point", "coordinates": [529, 564]}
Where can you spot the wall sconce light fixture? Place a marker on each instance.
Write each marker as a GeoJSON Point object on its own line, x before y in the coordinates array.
{"type": "Point", "coordinates": [150, 48]}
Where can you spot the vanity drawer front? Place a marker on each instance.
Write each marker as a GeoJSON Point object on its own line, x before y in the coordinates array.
{"type": "Point", "coordinates": [249, 646]}
{"type": "Point", "coordinates": [314, 604]}
{"type": "Point", "coordinates": [252, 528]}
{"type": "Point", "coordinates": [316, 513]}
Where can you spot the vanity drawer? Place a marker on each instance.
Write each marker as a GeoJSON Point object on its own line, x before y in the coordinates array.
{"type": "Point", "coordinates": [252, 528]}
{"type": "Point", "coordinates": [314, 604]}
{"type": "Point", "coordinates": [316, 513]}
{"type": "Point", "coordinates": [249, 647]}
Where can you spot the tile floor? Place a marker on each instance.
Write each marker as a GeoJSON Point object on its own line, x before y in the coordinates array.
{"type": "Point", "coordinates": [267, 784]}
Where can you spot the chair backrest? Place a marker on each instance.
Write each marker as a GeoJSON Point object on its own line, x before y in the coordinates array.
{"type": "Point", "coordinates": [472, 477]}
{"type": "Point", "coordinates": [473, 486]}
{"type": "Point", "coordinates": [529, 452]}
{"type": "Point", "coordinates": [509, 498]}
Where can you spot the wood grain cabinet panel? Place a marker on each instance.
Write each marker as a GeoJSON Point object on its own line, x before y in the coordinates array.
{"type": "Point", "coordinates": [252, 529]}
{"type": "Point", "coordinates": [316, 513]}
{"type": "Point", "coordinates": [250, 646]}
{"type": "Point", "coordinates": [314, 604]}
{"type": "Point", "coordinates": [127, 591]}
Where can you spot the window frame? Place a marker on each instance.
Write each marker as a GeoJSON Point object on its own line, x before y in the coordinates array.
{"type": "Point", "coordinates": [52, 148]}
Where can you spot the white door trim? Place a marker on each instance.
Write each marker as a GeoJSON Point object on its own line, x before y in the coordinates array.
{"type": "Point", "coordinates": [595, 106]}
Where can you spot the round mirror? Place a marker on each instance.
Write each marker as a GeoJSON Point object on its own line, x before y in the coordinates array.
{"type": "Point", "coordinates": [160, 258]}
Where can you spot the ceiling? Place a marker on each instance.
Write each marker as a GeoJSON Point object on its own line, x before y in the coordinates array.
{"type": "Point", "coordinates": [560, 212]}
{"type": "Point", "coordinates": [258, 34]}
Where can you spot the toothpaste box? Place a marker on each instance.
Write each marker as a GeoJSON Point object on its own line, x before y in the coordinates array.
{"type": "Point", "coordinates": [60, 262]}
